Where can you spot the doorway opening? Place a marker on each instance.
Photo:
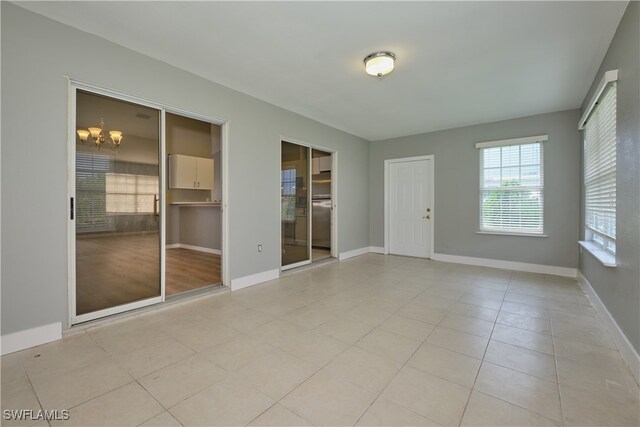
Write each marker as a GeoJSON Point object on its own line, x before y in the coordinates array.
{"type": "Point", "coordinates": [321, 205]}
{"type": "Point", "coordinates": [307, 194]}
{"type": "Point", "coordinates": [194, 202]}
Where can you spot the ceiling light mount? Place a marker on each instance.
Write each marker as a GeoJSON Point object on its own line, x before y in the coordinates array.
{"type": "Point", "coordinates": [379, 63]}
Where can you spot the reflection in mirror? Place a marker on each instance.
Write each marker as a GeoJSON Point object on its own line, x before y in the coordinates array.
{"type": "Point", "coordinates": [116, 203]}
{"type": "Point", "coordinates": [294, 197]}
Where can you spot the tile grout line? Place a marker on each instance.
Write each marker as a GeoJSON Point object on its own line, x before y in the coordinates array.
{"type": "Point", "coordinates": [111, 358]}
{"type": "Point", "coordinates": [304, 381]}
{"type": "Point", "coordinates": [405, 364]}
{"type": "Point", "coordinates": [464, 411]}
{"type": "Point", "coordinates": [438, 324]}
{"type": "Point", "coordinates": [136, 380]}
{"type": "Point", "coordinates": [555, 363]}
{"type": "Point", "coordinates": [354, 344]}
{"type": "Point", "coordinates": [519, 406]}
{"type": "Point", "coordinates": [34, 390]}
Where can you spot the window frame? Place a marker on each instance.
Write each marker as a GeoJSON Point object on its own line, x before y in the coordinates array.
{"type": "Point", "coordinates": [539, 139]}
{"type": "Point", "coordinates": [596, 242]}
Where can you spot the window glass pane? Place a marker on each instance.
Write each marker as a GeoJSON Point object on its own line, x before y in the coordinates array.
{"type": "Point", "coordinates": [510, 177]}
{"type": "Point", "coordinates": [512, 210]}
{"type": "Point", "coordinates": [530, 154]}
{"type": "Point", "coordinates": [511, 195]}
{"type": "Point", "coordinates": [492, 177]}
{"type": "Point", "coordinates": [511, 155]}
{"type": "Point", "coordinates": [600, 171]}
{"type": "Point", "coordinates": [530, 176]}
{"type": "Point", "coordinates": [491, 157]}
{"type": "Point", "coordinates": [129, 193]}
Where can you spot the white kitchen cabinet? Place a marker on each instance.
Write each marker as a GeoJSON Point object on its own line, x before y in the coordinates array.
{"type": "Point", "coordinates": [321, 164]}
{"type": "Point", "coordinates": [190, 172]}
{"type": "Point", "coordinates": [204, 173]}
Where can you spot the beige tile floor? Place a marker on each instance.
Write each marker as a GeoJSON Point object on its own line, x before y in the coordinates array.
{"type": "Point", "coordinates": [376, 340]}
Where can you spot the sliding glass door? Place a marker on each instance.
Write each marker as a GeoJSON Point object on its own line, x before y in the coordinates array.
{"type": "Point", "coordinates": [115, 206]}
{"type": "Point", "coordinates": [295, 202]}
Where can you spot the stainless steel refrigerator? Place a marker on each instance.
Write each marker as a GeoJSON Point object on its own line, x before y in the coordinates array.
{"type": "Point", "coordinates": [321, 210]}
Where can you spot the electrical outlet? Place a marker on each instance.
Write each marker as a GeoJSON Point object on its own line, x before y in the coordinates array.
{"type": "Point", "coordinates": [259, 248]}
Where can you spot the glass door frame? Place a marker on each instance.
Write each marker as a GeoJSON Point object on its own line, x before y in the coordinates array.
{"type": "Point", "coordinates": [74, 318]}
{"type": "Point", "coordinates": [334, 199]}
{"type": "Point", "coordinates": [308, 236]}
{"type": "Point", "coordinates": [224, 164]}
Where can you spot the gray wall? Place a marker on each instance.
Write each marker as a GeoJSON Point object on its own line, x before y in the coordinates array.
{"type": "Point", "coordinates": [456, 209]}
{"type": "Point", "coordinates": [36, 55]}
{"type": "Point", "coordinates": [619, 288]}
{"type": "Point", "coordinates": [201, 226]}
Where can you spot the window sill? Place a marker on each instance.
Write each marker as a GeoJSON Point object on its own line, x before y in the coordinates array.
{"type": "Point", "coordinates": [128, 213]}
{"type": "Point", "coordinates": [607, 259]}
{"type": "Point", "coordinates": [498, 233]}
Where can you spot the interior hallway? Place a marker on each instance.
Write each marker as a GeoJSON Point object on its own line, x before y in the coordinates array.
{"type": "Point", "coordinates": [375, 340]}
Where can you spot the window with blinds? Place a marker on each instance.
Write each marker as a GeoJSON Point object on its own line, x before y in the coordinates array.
{"type": "Point", "coordinates": [600, 171]}
{"type": "Point", "coordinates": [91, 214]}
{"type": "Point", "coordinates": [129, 193]}
{"type": "Point", "coordinates": [511, 189]}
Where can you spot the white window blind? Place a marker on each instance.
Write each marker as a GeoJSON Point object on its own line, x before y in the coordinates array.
{"type": "Point", "coordinates": [90, 187]}
{"type": "Point", "coordinates": [511, 189]}
{"type": "Point", "coordinates": [129, 193]}
{"type": "Point", "coordinates": [600, 171]}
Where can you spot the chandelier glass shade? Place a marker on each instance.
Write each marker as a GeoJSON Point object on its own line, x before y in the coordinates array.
{"type": "Point", "coordinates": [99, 136]}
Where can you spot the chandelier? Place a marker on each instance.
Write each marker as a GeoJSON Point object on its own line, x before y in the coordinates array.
{"type": "Point", "coordinates": [99, 136]}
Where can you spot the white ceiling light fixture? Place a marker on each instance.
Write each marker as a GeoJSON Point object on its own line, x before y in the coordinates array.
{"type": "Point", "coordinates": [379, 64]}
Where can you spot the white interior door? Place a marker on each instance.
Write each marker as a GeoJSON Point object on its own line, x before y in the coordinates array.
{"type": "Point", "coordinates": [409, 208]}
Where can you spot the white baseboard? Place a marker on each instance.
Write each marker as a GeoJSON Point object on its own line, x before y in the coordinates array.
{"type": "Point", "coordinates": [194, 248]}
{"type": "Point", "coordinates": [628, 353]}
{"type": "Point", "coordinates": [31, 337]}
{"type": "Point", "coordinates": [507, 265]}
{"type": "Point", "coordinates": [376, 249]}
{"type": "Point", "coordinates": [356, 252]}
{"type": "Point", "coordinates": [254, 279]}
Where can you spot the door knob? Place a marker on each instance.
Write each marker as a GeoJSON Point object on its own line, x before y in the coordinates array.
{"type": "Point", "coordinates": [426, 217]}
{"type": "Point", "coordinates": [428, 209]}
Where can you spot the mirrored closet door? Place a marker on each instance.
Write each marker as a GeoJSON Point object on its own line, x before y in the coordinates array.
{"type": "Point", "coordinates": [295, 202]}
{"type": "Point", "coordinates": [116, 207]}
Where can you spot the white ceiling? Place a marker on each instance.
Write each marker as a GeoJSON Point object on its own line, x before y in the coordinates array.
{"type": "Point", "coordinates": [459, 63]}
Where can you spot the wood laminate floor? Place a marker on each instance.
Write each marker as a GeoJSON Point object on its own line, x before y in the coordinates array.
{"type": "Point", "coordinates": [119, 269]}
{"type": "Point", "coordinates": [318, 254]}
{"type": "Point", "coordinates": [188, 270]}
